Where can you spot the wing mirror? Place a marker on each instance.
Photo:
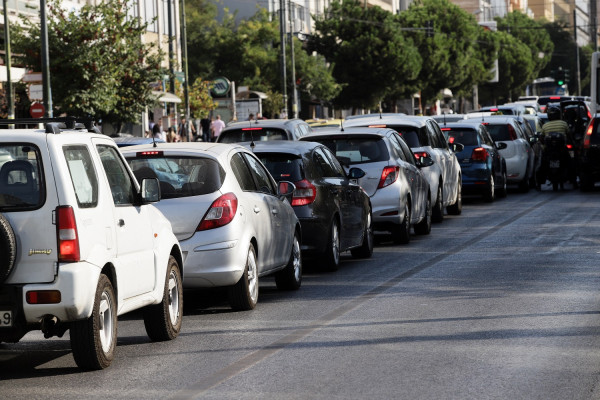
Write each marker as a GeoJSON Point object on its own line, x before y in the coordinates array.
{"type": "Point", "coordinates": [456, 147]}
{"type": "Point", "coordinates": [150, 190]}
{"type": "Point", "coordinates": [356, 173]}
{"type": "Point", "coordinates": [501, 145]}
{"type": "Point", "coordinates": [423, 162]}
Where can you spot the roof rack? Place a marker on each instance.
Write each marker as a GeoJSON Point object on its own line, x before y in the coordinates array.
{"type": "Point", "coordinates": [55, 125]}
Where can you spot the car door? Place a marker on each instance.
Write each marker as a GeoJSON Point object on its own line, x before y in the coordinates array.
{"type": "Point", "coordinates": [418, 185]}
{"type": "Point", "coordinates": [134, 261]}
{"type": "Point", "coordinates": [450, 165]}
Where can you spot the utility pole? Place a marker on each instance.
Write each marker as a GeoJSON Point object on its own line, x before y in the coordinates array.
{"type": "Point", "coordinates": [186, 93]}
{"type": "Point", "coordinates": [9, 87]}
{"type": "Point", "coordinates": [170, 27]}
{"type": "Point", "coordinates": [47, 92]}
{"type": "Point", "coordinates": [282, 32]}
{"type": "Point", "coordinates": [576, 52]}
{"type": "Point", "coordinates": [293, 62]}
{"type": "Point", "coordinates": [594, 24]}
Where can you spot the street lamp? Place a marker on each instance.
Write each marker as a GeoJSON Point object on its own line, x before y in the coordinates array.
{"type": "Point", "coordinates": [11, 103]}
{"type": "Point", "coordinates": [47, 96]}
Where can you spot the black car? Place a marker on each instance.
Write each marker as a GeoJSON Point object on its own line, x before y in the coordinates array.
{"type": "Point", "coordinates": [261, 130]}
{"type": "Point", "coordinates": [334, 211]}
{"type": "Point", "coordinates": [589, 155]}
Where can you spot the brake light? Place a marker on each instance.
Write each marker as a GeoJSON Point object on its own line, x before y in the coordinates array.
{"type": "Point", "coordinates": [419, 154]}
{"type": "Point", "coordinates": [305, 193]}
{"type": "Point", "coordinates": [149, 154]}
{"type": "Point", "coordinates": [479, 154]}
{"type": "Point", "coordinates": [451, 139]}
{"type": "Point", "coordinates": [66, 234]}
{"type": "Point", "coordinates": [388, 176]}
{"type": "Point", "coordinates": [220, 213]}
{"type": "Point", "coordinates": [569, 146]}
{"type": "Point", "coordinates": [588, 135]}
{"type": "Point", "coordinates": [554, 97]}
{"type": "Point", "coordinates": [589, 114]}
{"type": "Point", "coordinates": [512, 133]}
{"type": "Point", "coordinates": [377, 126]}
{"type": "Point", "coordinates": [252, 129]}
{"type": "Point", "coordinates": [446, 129]}
{"type": "Point", "coordinates": [493, 109]}
{"type": "Point", "coordinates": [43, 297]}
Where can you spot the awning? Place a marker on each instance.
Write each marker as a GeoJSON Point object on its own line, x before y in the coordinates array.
{"type": "Point", "coordinates": [16, 74]}
{"type": "Point", "coordinates": [166, 97]}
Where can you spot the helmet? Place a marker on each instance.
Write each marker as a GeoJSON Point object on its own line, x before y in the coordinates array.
{"type": "Point", "coordinates": [554, 113]}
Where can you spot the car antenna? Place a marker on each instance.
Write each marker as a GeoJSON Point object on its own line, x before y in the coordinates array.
{"type": "Point", "coordinates": [341, 125]}
{"type": "Point", "coordinates": [444, 114]}
{"type": "Point", "coordinates": [153, 139]}
{"type": "Point", "coordinates": [252, 145]}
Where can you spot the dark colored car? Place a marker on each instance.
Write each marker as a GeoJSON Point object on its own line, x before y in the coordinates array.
{"type": "Point", "coordinates": [589, 155]}
{"type": "Point", "coordinates": [577, 115]}
{"type": "Point", "coordinates": [334, 211]}
{"type": "Point", "coordinates": [264, 130]}
{"type": "Point", "coordinates": [483, 167]}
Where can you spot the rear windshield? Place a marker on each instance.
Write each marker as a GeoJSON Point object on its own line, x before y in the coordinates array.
{"type": "Point", "coordinates": [252, 134]}
{"type": "Point", "coordinates": [283, 167]}
{"type": "Point", "coordinates": [357, 150]}
{"type": "Point", "coordinates": [180, 176]}
{"type": "Point", "coordinates": [499, 132]}
{"type": "Point", "coordinates": [414, 137]}
{"type": "Point", "coordinates": [467, 137]}
{"type": "Point", "coordinates": [21, 183]}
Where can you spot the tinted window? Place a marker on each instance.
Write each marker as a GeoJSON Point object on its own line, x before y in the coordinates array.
{"type": "Point", "coordinates": [499, 132]}
{"type": "Point", "coordinates": [242, 173]}
{"type": "Point", "coordinates": [252, 134]}
{"type": "Point", "coordinates": [397, 147]}
{"type": "Point", "coordinates": [180, 176]}
{"type": "Point", "coordinates": [325, 165]}
{"type": "Point", "coordinates": [467, 137]}
{"type": "Point", "coordinates": [21, 185]}
{"type": "Point", "coordinates": [83, 175]}
{"type": "Point", "coordinates": [283, 167]}
{"type": "Point", "coordinates": [261, 175]}
{"type": "Point", "coordinates": [414, 137]}
{"type": "Point", "coordinates": [121, 186]}
{"type": "Point", "coordinates": [335, 163]}
{"type": "Point", "coordinates": [359, 150]}
{"type": "Point", "coordinates": [439, 141]}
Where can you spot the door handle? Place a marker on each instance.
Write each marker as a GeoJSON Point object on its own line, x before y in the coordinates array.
{"type": "Point", "coordinates": [121, 222]}
{"type": "Point", "coordinates": [256, 209]}
{"type": "Point", "coordinates": [274, 211]}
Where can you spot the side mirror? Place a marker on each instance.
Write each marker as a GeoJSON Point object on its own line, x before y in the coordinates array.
{"type": "Point", "coordinates": [356, 173]}
{"type": "Point", "coordinates": [500, 145]}
{"type": "Point", "coordinates": [456, 147]}
{"type": "Point", "coordinates": [150, 190]}
{"type": "Point", "coordinates": [423, 162]}
{"type": "Point", "coordinates": [286, 189]}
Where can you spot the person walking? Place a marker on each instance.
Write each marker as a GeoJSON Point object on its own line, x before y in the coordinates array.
{"type": "Point", "coordinates": [216, 127]}
{"type": "Point", "coordinates": [185, 133]}
{"type": "Point", "coordinates": [157, 130]}
{"type": "Point", "coordinates": [205, 126]}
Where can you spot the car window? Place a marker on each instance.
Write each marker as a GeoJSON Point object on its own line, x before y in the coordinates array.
{"type": "Point", "coordinates": [397, 147]}
{"type": "Point", "coordinates": [357, 150]}
{"type": "Point", "coordinates": [21, 184]}
{"type": "Point", "coordinates": [282, 166]}
{"type": "Point", "coordinates": [485, 136]}
{"type": "Point", "coordinates": [260, 175]}
{"type": "Point", "coordinates": [121, 185]}
{"type": "Point", "coordinates": [324, 164]}
{"type": "Point", "coordinates": [83, 175]}
{"type": "Point", "coordinates": [335, 163]}
{"type": "Point", "coordinates": [441, 142]}
{"type": "Point", "coordinates": [464, 136]}
{"type": "Point", "coordinates": [409, 156]}
{"type": "Point", "coordinates": [242, 173]}
{"type": "Point", "coordinates": [257, 134]}
{"type": "Point", "coordinates": [414, 137]}
{"type": "Point", "coordinates": [501, 132]}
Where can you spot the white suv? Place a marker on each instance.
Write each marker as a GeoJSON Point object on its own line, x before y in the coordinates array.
{"type": "Point", "coordinates": [80, 242]}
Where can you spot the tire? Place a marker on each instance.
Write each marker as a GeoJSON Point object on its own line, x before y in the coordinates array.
{"type": "Point", "coordinates": [331, 259]}
{"type": "Point", "coordinates": [8, 248]}
{"type": "Point", "coordinates": [290, 278]}
{"type": "Point", "coordinates": [438, 208]}
{"type": "Point", "coordinates": [424, 226]}
{"type": "Point", "coordinates": [456, 208]}
{"type": "Point", "coordinates": [401, 233]}
{"type": "Point", "coordinates": [163, 320]}
{"type": "Point", "coordinates": [503, 191]}
{"type": "Point", "coordinates": [243, 296]}
{"type": "Point", "coordinates": [94, 339]}
{"type": "Point", "coordinates": [490, 191]}
{"type": "Point", "coordinates": [366, 248]}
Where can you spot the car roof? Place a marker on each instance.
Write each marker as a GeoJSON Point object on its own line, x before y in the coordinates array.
{"type": "Point", "coordinates": [410, 120]}
{"type": "Point", "coordinates": [463, 124]}
{"type": "Point", "coordinates": [282, 146]}
{"type": "Point", "coordinates": [124, 141]}
{"type": "Point", "coordinates": [358, 116]}
{"type": "Point", "coordinates": [217, 149]}
{"type": "Point", "coordinates": [353, 131]}
{"type": "Point", "coordinates": [268, 123]}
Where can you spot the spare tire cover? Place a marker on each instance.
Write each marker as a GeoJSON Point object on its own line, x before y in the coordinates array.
{"type": "Point", "coordinates": [8, 248]}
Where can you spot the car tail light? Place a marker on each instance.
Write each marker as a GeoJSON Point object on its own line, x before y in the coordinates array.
{"type": "Point", "coordinates": [589, 114]}
{"type": "Point", "coordinates": [446, 129]}
{"type": "Point", "coordinates": [512, 133]}
{"type": "Point", "coordinates": [220, 213]}
{"type": "Point", "coordinates": [305, 193]}
{"type": "Point", "coordinates": [588, 135]}
{"type": "Point", "coordinates": [479, 154]}
{"type": "Point", "coordinates": [451, 139]}
{"type": "Point", "coordinates": [252, 129]}
{"type": "Point", "coordinates": [43, 297]}
{"type": "Point", "coordinates": [66, 234]}
{"type": "Point", "coordinates": [377, 126]}
{"type": "Point", "coordinates": [149, 154]}
{"type": "Point", "coordinates": [388, 176]}
{"type": "Point", "coordinates": [569, 146]}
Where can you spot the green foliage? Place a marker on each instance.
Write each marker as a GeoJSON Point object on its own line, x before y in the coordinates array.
{"type": "Point", "coordinates": [99, 65]}
{"type": "Point", "coordinates": [201, 102]}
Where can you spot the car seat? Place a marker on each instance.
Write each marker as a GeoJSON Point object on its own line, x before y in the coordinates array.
{"type": "Point", "coordinates": [17, 180]}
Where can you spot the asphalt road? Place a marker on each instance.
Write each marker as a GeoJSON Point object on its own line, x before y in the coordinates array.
{"type": "Point", "coordinates": [501, 302]}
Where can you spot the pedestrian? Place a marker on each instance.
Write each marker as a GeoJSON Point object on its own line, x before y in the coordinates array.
{"type": "Point", "coordinates": [216, 127]}
{"type": "Point", "coordinates": [157, 130]}
{"type": "Point", "coordinates": [205, 127]}
{"type": "Point", "coordinates": [185, 133]}
{"type": "Point", "coordinates": [250, 117]}
{"type": "Point", "coordinates": [172, 135]}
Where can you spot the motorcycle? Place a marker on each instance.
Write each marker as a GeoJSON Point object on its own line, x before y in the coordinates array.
{"type": "Point", "coordinates": [556, 159]}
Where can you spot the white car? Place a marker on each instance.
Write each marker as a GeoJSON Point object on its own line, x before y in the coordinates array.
{"type": "Point", "coordinates": [80, 243]}
{"type": "Point", "coordinates": [233, 224]}
{"type": "Point", "coordinates": [425, 138]}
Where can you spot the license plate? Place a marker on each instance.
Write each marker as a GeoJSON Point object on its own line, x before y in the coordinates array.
{"type": "Point", "coordinates": [554, 164]}
{"type": "Point", "coordinates": [6, 319]}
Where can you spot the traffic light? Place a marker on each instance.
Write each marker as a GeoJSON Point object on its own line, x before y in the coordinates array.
{"type": "Point", "coordinates": [560, 76]}
{"type": "Point", "coordinates": [567, 76]}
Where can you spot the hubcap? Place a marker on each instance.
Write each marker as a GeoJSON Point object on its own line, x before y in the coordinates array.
{"type": "Point", "coordinates": [252, 278]}
{"type": "Point", "coordinates": [335, 243]}
{"type": "Point", "coordinates": [173, 298]}
{"type": "Point", "coordinates": [369, 231]}
{"type": "Point", "coordinates": [297, 259]}
{"type": "Point", "coordinates": [105, 322]}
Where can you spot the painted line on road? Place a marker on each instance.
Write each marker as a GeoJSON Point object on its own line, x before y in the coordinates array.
{"type": "Point", "coordinates": [197, 389]}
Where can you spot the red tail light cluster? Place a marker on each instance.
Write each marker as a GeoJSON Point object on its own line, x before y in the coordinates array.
{"type": "Point", "coordinates": [388, 176]}
{"type": "Point", "coordinates": [304, 194]}
{"type": "Point", "coordinates": [479, 154]}
{"type": "Point", "coordinates": [220, 213]}
{"type": "Point", "coordinates": [66, 234]}
{"type": "Point", "coordinates": [588, 135]}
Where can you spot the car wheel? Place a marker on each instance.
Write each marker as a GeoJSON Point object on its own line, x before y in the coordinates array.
{"type": "Point", "coordinates": [438, 208]}
{"type": "Point", "coordinates": [424, 226]}
{"type": "Point", "coordinates": [332, 251]}
{"type": "Point", "coordinates": [8, 248]}
{"type": "Point", "coordinates": [163, 321]}
{"type": "Point", "coordinates": [94, 339]}
{"type": "Point", "coordinates": [243, 295]}
{"type": "Point", "coordinates": [456, 208]}
{"type": "Point", "coordinates": [290, 278]}
{"type": "Point", "coordinates": [489, 195]}
{"type": "Point", "coordinates": [502, 192]}
{"type": "Point", "coordinates": [366, 249]}
{"type": "Point", "coordinates": [401, 233]}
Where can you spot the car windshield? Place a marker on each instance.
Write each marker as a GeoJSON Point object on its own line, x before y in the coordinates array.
{"type": "Point", "coordinates": [466, 137]}
{"type": "Point", "coordinates": [283, 167]}
{"type": "Point", "coordinates": [357, 150]}
{"type": "Point", "coordinates": [179, 176]}
{"type": "Point", "coordinates": [20, 181]}
{"type": "Point", "coordinates": [255, 134]}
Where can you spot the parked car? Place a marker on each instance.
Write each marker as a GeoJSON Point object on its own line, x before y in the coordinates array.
{"type": "Point", "coordinates": [334, 211]}
{"type": "Point", "coordinates": [232, 221]}
{"type": "Point", "coordinates": [399, 192]}
{"type": "Point", "coordinates": [483, 167]}
{"type": "Point", "coordinates": [506, 109]}
{"type": "Point", "coordinates": [447, 118]}
{"type": "Point", "coordinates": [264, 130]}
{"type": "Point", "coordinates": [589, 155]}
{"type": "Point", "coordinates": [81, 242]}
{"type": "Point", "coordinates": [519, 156]}
{"type": "Point", "coordinates": [124, 141]}
{"type": "Point", "coordinates": [325, 123]}
{"type": "Point", "coordinates": [424, 137]}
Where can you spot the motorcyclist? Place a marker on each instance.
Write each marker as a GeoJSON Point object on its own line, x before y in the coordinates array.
{"type": "Point", "coordinates": [556, 124]}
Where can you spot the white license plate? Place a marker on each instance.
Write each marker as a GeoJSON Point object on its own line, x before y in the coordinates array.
{"type": "Point", "coordinates": [554, 164]}
{"type": "Point", "coordinates": [6, 319]}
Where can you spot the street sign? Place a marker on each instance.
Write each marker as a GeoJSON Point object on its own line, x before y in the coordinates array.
{"type": "Point", "coordinates": [35, 92]}
{"type": "Point", "coordinates": [220, 86]}
{"type": "Point", "coordinates": [37, 110]}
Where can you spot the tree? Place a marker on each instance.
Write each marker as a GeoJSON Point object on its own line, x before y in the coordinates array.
{"type": "Point", "coordinates": [99, 65]}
